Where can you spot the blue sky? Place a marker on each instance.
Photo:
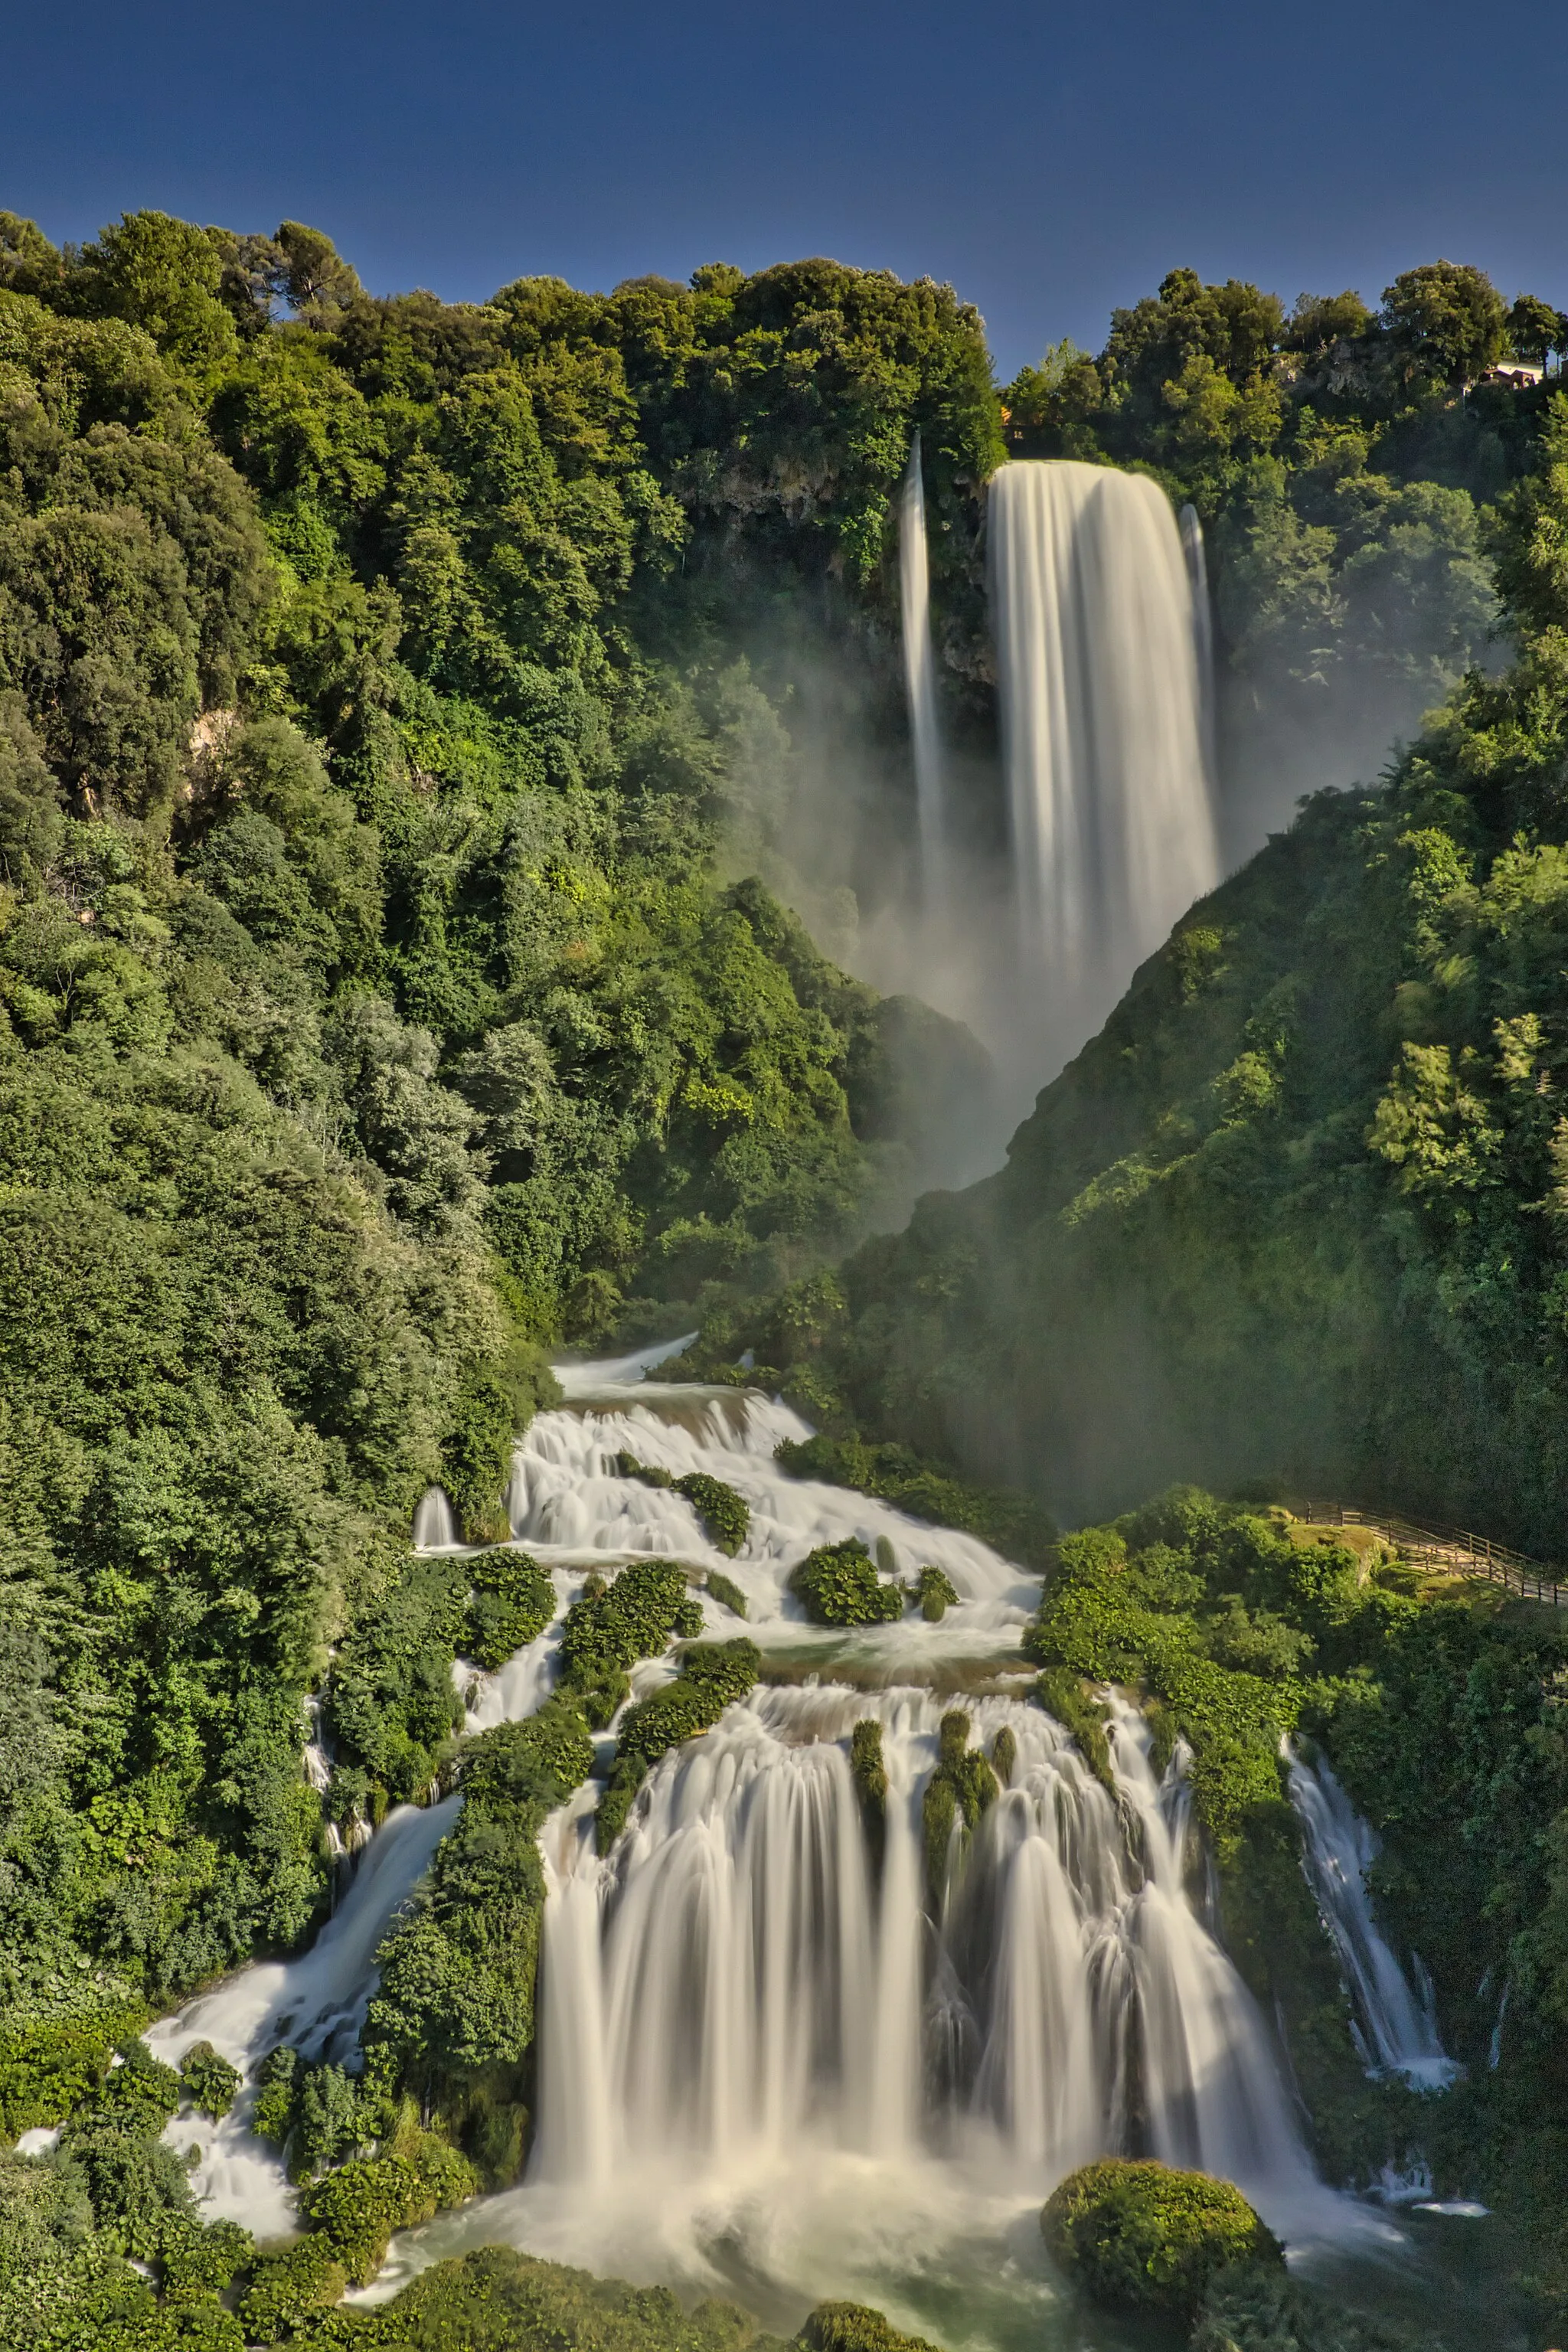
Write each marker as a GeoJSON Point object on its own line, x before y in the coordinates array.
{"type": "Point", "coordinates": [1051, 162]}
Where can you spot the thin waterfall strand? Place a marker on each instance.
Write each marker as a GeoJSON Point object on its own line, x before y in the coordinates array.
{"type": "Point", "coordinates": [919, 680]}
{"type": "Point", "coordinates": [1397, 2029]}
{"type": "Point", "coordinates": [1112, 821]}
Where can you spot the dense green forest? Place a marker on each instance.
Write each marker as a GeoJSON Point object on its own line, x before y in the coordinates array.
{"type": "Point", "coordinates": [401, 707]}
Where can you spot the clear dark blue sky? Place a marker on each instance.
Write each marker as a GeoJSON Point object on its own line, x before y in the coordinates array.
{"type": "Point", "coordinates": [1050, 161]}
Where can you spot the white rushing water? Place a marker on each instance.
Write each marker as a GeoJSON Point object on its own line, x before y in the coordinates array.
{"type": "Point", "coordinates": [919, 682]}
{"type": "Point", "coordinates": [1103, 721]}
{"type": "Point", "coordinates": [1394, 2024]}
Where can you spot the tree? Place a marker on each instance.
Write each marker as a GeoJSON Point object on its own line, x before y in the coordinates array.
{"type": "Point", "coordinates": [1319, 321]}
{"type": "Point", "coordinates": [1534, 328]}
{"type": "Point", "coordinates": [163, 274]}
{"type": "Point", "coordinates": [1446, 318]}
{"type": "Point", "coordinates": [316, 281]}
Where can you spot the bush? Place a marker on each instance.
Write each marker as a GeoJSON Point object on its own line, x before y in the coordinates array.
{"type": "Point", "coordinates": [726, 1515]}
{"type": "Point", "coordinates": [726, 1592]}
{"type": "Point", "coordinates": [934, 1594]}
{"type": "Point", "coordinates": [511, 1604]}
{"type": "Point", "coordinates": [611, 1628]}
{"type": "Point", "coordinates": [1011, 1524]}
{"type": "Point", "coordinates": [357, 2209]}
{"type": "Point", "coordinates": [1146, 2237]}
{"type": "Point", "coordinates": [838, 1585]}
{"type": "Point", "coordinates": [855, 2327]}
{"type": "Point", "coordinates": [47, 2069]}
{"type": "Point", "coordinates": [286, 2289]}
{"type": "Point", "coordinates": [272, 2116]}
{"type": "Point", "coordinates": [714, 1675]}
{"type": "Point", "coordinates": [207, 2081]}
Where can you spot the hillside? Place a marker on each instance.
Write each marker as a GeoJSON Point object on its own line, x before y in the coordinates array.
{"type": "Point", "coordinates": [1294, 1217]}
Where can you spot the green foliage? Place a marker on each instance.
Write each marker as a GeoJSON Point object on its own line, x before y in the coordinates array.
{"type": "Point", "coordinates": [1259, 2307]}
{"type": "Point", "coordinates": [1011, 1523]}
{"type": "Point", "coordinates": [287, 2289]}
{"type": "Point", "coordinates": [272, 2116]}
{"type": "Point", "coordinates": [853, 2327]}
{"type": "Point", "coordinates": [608, 1630]}
{"type": "Point", "coordinates": [1147, 2237]}
{"type": "Point", "coordinates": [48, 2067]}
{"type": "Point", "coordinates": [511, 1604]}
{"type": "Point", "coordinates": [935, 1593]}
{"type": "Point", "coordinates": [208, 2080]}
{"type": "Point", "coordinates": [871, 1777]}
{"type": "Point", "coordinates": [725, 1515]}
{"type": "Point", "coordinates": [454, 2003]}
{"type": "Point", "coordinates": [1063, 1696]}
{"type": "Point", "coordinates": [356, 2208]}
{"type": "Point", "coordinates": [725, 1591]}
{"type": "Point", "coordinates": [960, 1792]}
{"type": "Point", "coordinates": [714, 1675]}
{"type": "Point", "coordinates": [837, 1584]}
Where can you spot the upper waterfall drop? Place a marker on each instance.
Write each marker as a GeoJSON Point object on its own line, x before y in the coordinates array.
{"type": "Point", "coordinates": [919, 677]}
{"type": "Point", "coordinates": [1102, 720]}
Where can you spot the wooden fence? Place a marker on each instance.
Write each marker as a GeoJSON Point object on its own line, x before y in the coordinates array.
{"type": "Point", "coordinates": [1454, 1551]}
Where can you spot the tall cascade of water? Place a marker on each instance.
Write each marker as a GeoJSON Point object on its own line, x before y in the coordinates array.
{"type": "Point", "coordinates": [738, 1979]}
{"type": "Point", "coordinates": [1102, 720]}
{"type": "Point", "coordinates": [1393, 2025]}
{"type": "Point", "coordinates": [919, 680]}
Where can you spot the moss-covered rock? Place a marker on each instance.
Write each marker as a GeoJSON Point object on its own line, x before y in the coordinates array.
{"type": "Point", "coordinates": [1065, 1699]}
{"type": "Point", "coordinates": [726, 1592]}
{"type": "Point", "coordinates": [610, 1626]}
{"type": "Point", "coordinates": [838, 1585]}
{"type": "Point", "coordinates": [963, 1788]}
{"type": "Point", "coordinates": [870, 1775]}
{"type": "Point", "coordinates": [1147, 2237]}
{"type": "Point", "coordinates": [1004, 1755]}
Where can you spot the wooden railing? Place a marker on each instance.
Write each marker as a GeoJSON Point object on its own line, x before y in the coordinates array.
{"type": "Point", "coordinates": [1454, 1551]}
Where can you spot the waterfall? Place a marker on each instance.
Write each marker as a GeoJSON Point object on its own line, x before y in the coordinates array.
{"type": "Point", "coordinates": [434, 1529]}
{"type": "Point", "coordinates": [737, 1980]}
{"type": "Point", "coordinates": [1395, 2028]}
{"type": "Point", "coordinates": [1203, 630]}
{"type": "Point", "coordinates": [1102, 723]}
{"type": "Point", "coordinates": [919, 679]}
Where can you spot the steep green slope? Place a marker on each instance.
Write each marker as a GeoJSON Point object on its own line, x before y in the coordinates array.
{"type": "Point", "coordinates": [1296, 1214]}
{"type": "Point", "coordinates": [378, 1004]}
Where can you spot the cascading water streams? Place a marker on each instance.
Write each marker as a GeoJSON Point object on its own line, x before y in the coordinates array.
{"type": "Point", "coordinates": [1397, 2031]}
{"type": "Point", "coordinates": [1102, 723]}
{"type": "Point", "coordinates": [768, 2057]}
{"type": "Point", "coordinates": [737, 1980]}
{"type": "Point", "coordinates": [1203, 629]}
{"type": "Point", "coordinates": [919, 681]}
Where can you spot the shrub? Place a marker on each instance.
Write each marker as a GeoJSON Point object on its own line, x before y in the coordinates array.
{"type": "Point", "coordinates": [357, 2209]}
{"type": "Point", "coordinates": [208, 2081]}
{"type": "Point", "coordinates": [47, 2069]}
{"type": "Point", "coordinates": [1011, 1523]}
{"type": "Point", "coordinates": [838, 1585]}
{"type": "Point", "coordinates": [272, 2116]}
{"type": "Point", "coordinates": [609, 1628]}
{"type": "Point", "coordinates": [286, 2289]}
{"type": "Point", "coordinates": [511, 1604]}
{"type": "Point", "coordinates": [1147, 2237]}
{"type": "Point", "coordinates": [935, 1595]}
{"type": "Point", "coordinates": [726, 1592]}
{"type": "Point", "coordinates": [206, 2261]}
{"type": "Point", "coordinates": [726, 1515]}
{"type": "Point", "coordinates": [714, 1675]}
{"type": "Point", "coordinates": [855, 2327]}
